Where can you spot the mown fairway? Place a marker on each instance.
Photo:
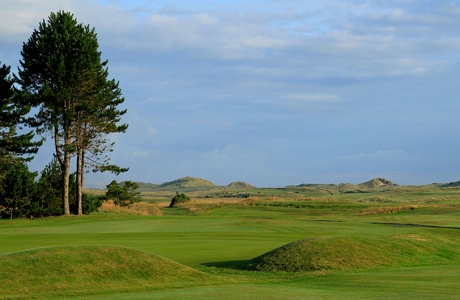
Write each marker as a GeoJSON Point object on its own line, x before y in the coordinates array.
{"type": "Point", "coordinates": [217, 238]}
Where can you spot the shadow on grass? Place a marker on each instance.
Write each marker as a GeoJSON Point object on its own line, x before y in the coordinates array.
{"type": "Point", "coordinates": [232, 264]}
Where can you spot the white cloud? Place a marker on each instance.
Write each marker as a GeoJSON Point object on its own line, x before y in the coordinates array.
{"type": "Point", "coordinates": [18, 18]}
{"type": "Point", "coordinates": [238, 75]}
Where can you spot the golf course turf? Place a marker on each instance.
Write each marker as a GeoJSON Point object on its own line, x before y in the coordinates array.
{"type": "Point", "coordinates": [404, 247]}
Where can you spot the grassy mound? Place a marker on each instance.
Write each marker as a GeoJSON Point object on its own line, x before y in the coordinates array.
{"type": "Point", "coordinates": [241, 185]}
{"type": "Point", "coordinates": [376, 183]}
{"type": "Point", "coordinates": [187, 182]}
{"type": "Point", "coordinates": [85, 270]}
{"type": "Point", "coordinates": [340, 253]}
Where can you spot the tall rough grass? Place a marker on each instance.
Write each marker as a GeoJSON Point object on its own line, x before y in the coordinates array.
{"type": "Point", "coordinates": [387, 210]}
{"type": "Point", "coordinates": [138, 209]}
{"type": "Point", "coordinates": [196, 205]}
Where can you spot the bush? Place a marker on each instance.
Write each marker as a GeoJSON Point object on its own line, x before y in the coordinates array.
{"type": "Point", "coordinates": [123, 195]}
{"type": "Point", "coordinates": [91, 203]}
{"type": "Point", "coordinates": [179, 198]}
{"type": "Point", "coordinates": [48, 198]}
{"type": "Point", "coordinates": [18, 189]}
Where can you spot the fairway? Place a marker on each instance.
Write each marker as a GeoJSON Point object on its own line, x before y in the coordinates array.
{"type": "Point", "coordinates": [229, 149]}
{"type": "Point", "coordinates": [412, 252]}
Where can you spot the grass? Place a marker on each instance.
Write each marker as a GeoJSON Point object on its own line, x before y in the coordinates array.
{"type": "Point", "coordinates": [340, 253]}
{"type": "Point", "coordinates": [361, 247]}
{"type": "Point", "coordinates": [71, 270]}
{"type": "Point", "coordinates": [398, 284]}
{"type": "Point", "coordinates": [139, 208]}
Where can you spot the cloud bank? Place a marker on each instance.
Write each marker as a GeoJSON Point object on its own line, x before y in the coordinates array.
{"type": "Point", "coordinates": [273, 93]}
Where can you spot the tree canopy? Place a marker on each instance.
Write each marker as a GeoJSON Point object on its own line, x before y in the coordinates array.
{"type": "Point", "coordinates": [12, 143]}
{"type": "Point", "coordinates": [123, 194]}
{"type": "Point", "coordinates": [62, 74]}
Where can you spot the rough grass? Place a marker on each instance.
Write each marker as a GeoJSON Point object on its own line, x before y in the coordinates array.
{"type": "Point", "coordinates": [138, 209]}
{"type": "Point", "coordinates": [196, 205]}
{"type": "Point", "coordinates": [342, 253]}
{"type": "Point", "coordinates": [79, 270]}
{"type": "Point", "coordinates": [386, 210]}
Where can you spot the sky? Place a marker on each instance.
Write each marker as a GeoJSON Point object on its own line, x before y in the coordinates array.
{"type": "Point", "coordinates": [272, 93]}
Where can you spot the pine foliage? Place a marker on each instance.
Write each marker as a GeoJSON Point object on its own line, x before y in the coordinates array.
{"type": "Point", "coordinates": [62, 74]}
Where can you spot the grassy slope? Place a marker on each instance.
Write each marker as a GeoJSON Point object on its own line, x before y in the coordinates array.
{"type": "Point", "coordinates": [214, 240]}
{"type": "Point", "coordinates": [70, 270]}
{"type": "Point", "coordinates": [344, 253]}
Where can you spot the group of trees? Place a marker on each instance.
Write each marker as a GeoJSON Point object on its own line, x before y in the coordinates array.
{"type": "Point", "coordinates": [63, 79]}
{"type": "Point", "coordinates": [23, 195]}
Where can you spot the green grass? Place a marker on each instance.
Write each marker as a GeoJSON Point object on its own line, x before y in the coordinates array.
{"type": "Point", "coordinates": [340, 253]}
{"type": "Point", "coordinates": [398, 284]}
{"type": "Point", "coordinates": [77, 270]}
{"type": "Point", "coordinates": [380, 257]}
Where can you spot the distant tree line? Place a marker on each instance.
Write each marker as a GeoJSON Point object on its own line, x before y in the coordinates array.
{"type": "Point", "coordinates": [64, 82]}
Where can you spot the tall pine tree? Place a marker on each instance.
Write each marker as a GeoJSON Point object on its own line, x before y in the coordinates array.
{"type": "Point", "coordinates": [96, 120]}
{"type": "Point", "coordinates": [62, 74]}
{"type": "Point", "coordinates": [12, 143]}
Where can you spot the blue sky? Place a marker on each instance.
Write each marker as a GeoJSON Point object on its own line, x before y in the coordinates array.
{"type": "Point", "coordinates": [273, 92]}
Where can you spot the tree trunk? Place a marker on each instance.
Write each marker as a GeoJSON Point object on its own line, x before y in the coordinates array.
{"type": "Point", "coordinates": [64, 161]}
{"type": "Point", "coordinates": [82, 174]}
{"type": "Point", "coordinates": [66, 174]}
{"type": "Point", "coordinates": [66, 181]}
{"type": "Point", "coordinates": [79, 180]}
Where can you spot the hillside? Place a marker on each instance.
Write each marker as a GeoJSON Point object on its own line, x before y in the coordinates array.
{"type": "Point", "coordinates": [143, 186]}
{"type": "Point", "coordinates": [187, 182]}
{"type": "Point", "coordinates": [346, 187]}
{"type": "Point", "coordinates": [241, 185]}
{"type": "Point", "coordinates": [372, 184]}
{"type": "Point", "coordinates": [376, 183]}
{"type": "Point", "coordinates": [191, 184]}
{"type": "Point", "coordinates": [451, 184]}
{"type": "Point", "coordinates": [198, 187]}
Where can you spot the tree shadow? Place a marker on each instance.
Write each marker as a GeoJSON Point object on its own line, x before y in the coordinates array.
{"type": "Point", "coordinates": [232, 264]}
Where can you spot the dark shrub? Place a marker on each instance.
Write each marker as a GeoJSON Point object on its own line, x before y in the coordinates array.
{"type": "Point", "coordinates": [179, 198]}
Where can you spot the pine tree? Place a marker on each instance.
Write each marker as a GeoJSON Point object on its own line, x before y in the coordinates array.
{"type": "Point", "coordinates": [12, 144]}
{"type": "Point", "coordinates": [49, 186]}
{"type": "Point", "coordinates": [95, 123]}
{"type": "Point", "coordinates": [18, 191]}
{"type": "Point", "coordinates": [62, 74]}
{"type": "Point", "coordinates": [124, 194]}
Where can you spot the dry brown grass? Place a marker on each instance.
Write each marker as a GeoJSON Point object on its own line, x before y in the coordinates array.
{"type": "Point", "coordinates": [195, 205]}
{"type": "Point", "coordinates": [411, 237]}
{"type": "Point", "coordinates": [310, 199]}
{"type": "Point", "coordinates": [388, 210]}
{"type": "Point", "coordinates": [139, 209]}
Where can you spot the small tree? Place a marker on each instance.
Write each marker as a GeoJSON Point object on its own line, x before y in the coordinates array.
{"type": "Point", "coordinates": [179, 198]}
{"type": "Point", "coordinates": [91, 203]}
{"type": "Point", "coordinates": [18, 191]}
{"type": "Point", "coordinates": [123, 194]}
{"type": "Point", "coordinates": [48, 197]}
